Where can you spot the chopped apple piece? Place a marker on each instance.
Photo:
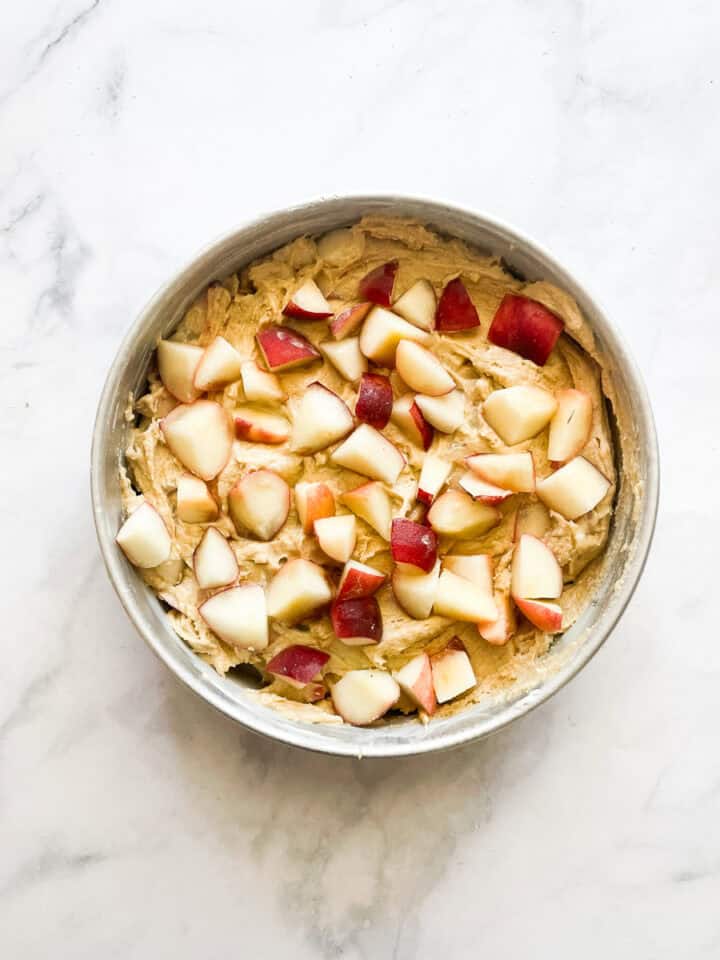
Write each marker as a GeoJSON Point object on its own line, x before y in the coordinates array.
{"type": "Point", "coordinates": [542, 614]}
{"type": "Point", "coordinates": [298, 663]}
{"type": "Point", "coordinates": [570, 427]}
{"type": "Point", "coordinates": [371, 503]}
{"type": "Point", "coordinates": [421, 371]}
{"type": "Point", "coordinates": [260, 426]}
{"type": "Point", "coordinates": [199, 434]}
{"type": "Point", "coordinates": [346, 357]}
{"type": "Point", "coordinates": [499, 631]}
{"type": "Point", "coordinates": [415, 592]}
{"type": "Point", "coordinates": [284, 348]}
{"type": "Point", "coordinates": [413, 544]}
{"type": "Point", "coordinates": [357, 622]}
{"type": "Point", "coordinates": [433, 476]}
{"type": "Point", "coordinates": [260, 386]}
{"type": "Point", "coordinates": [220, 364]}
{"type": "Point", "coordinates": [259, 502]}
{"type": "Point", "coordinates": [444, 413]}
{"type": "Point", "coordinates": [375, 400]}
{"type": "Point", "coordinates": [359, 580]}
{"type": "Point", "coordinates": [525, 327]}
{"type": "Point", "coordinates": [460, 599]}
{"type": "Point", "coordinates": [308, 303]}
{"type": "Point", "coordinates": [452, 672]}
{"type": "Point", "coordinates": [144, 538]}
{"type": "Point", "coordinates": [336, 536]}
{"type": "Point", "coordinates": [415, 680]}
{"type": "Point", "coordinates": [299, 589]}
{"type": "Point", "coordinates": [482, 490]}
{"type": "Point", "coordinates": [536, 574]}
{"type": "Point", "coordinates": [377, 285]}
{"type": "Point", "coordinates": [417, 305]}
{"type": "Point", "coordinates": [407, 416]}
{"type": "Point", "coordinates": [478, 569]}
{"type": "Point", "coordinates": [455, 514]}
{"type": "Point", "coordinates": [362, 696]}
{"type": "Point", "coordinates": [383, 331]}
{"type": "Point", "coordinates": [177, 363]}
{"type": "Point", "coordinates": [320, 419]}
{"type": "Point", "coordinates": [532, 518]}
{"type": "Point", "coordinates": [195, 503]}
{"type": "Point", "coordinates": [349, 320]}
{"type": "Point", "coordinates": [214, 562]}
{"type": "Point", "coordinates": [455, 311]}
{"type": "Point", "coordinates": [368, 452]}
{"type": "Point", "coordinates": [518, 413]}
{"type": "Point", "coordinates": [511, 471]}
{"type": "Point", "coordinates": [238, 616]}
{"type": "Point", "coordinates": [313, 501]}
{"type": "Point", "coordinates": [574, 489]}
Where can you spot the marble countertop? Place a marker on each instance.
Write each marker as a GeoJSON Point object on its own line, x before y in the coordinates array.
{"type": "Point", "coordinates": [135, 821]}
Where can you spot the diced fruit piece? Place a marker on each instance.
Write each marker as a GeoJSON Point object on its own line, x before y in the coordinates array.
{"type": "Point", "coordinates": [368, 452]}
{"type": "Point", "coordinates": [415, 592]}
{"type": "Point", "coordinates": [346, 357]}
{"type": "Point", "coordinates": [362, 696]}
{"type": "Point", "coordinates": [421, 371]}
{"type": "Point", "coordinates": [452, 672]}
{"type": "Point", "coordinates": [511, 471]}
{"type": "Point", "coordinates": [455, 514]}
{"type": "Point", "coordinates": [499, 631]}
{"type": "Point", "coordinates": [359, 580]}
{"type": "Point", "coordinates": [518, 413]}
{"type": "Point", "coordinates": [220, 364]}
{"type": "Point", "coordinates": [259, 502]}
{"type": "Point", "coordinates": [214, 562]}
{"type": "Point", "coordinates": [260, 386]}
{"type": "Point", "coordinates": [371, 502]}
{"type": "Point", "coordinates": [570, 426]}
{"type": "Point", "coordinates": [417, 305]}
{"type": "Point", "coordinates": [375, 400]}
{"type": "Point", "coordinates": [199, 434]}
{"type": "Point", "coordinates": [574, 489]}
{"type": "Point", "coordinates": [536, 574]}
{"type": "Point", "coordinates": [532, 518]}
{"type": "Point", "coordinates": [526, 327]}
{"type": "Point", "coordinates": [476, 568]}
{"type": "Point", "coordinates": [455, 311]}
{"type": "Point", "coordinates": [433, 475]}
{"type": "Point", "coordinates": [444, 413]}
{"type": "Point", "coordinates": [259, 426]}
{"type": "Point", "coordinates": [482, 490]}
{"type": "Point", "coordinates": [298, 662]}
{"type": "Point", "coordinates": [284, 348]}
{"type": "Point", "coordinates": [320, 418]}
{"type": "Point", "coordinates": [308, 303]}
{"type": "Point", "coordinates": [144, 538]}
{"type": "Point", "coordinates": [313, 501]}
{"type": "Point", "coordinates": [238, 616]}
{"type": "Point", "coordinates": [377, 285]}
{"type": "Point", "coordinates": [541, 614]}
{"type": "Point", "coordinates": [336, 536]}
{"type": "Point", "coordinates": [383, 331]}
{"type": "Point", "coordinates": [357, 622]}
{"type": "Point", "coordinates": [195, 503]}
{"type": "Point", "coordinates": [413, 544]}
{"type": "Point", "coordinates": [177, 363]}
{"type": "Point", "coordinates": [299, 589]}
{"type": "Point", "coordinates": [407, 416]}
{"type": "Point", "coordinates": [460, 599]}
{"type": "Point", "coordinates": [349, 320]}
{"type": "Point", "coordinates": [415, 680]}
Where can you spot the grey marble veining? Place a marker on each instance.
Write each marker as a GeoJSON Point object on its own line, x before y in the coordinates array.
{"type": "Point", "coordinates": [137, 823]}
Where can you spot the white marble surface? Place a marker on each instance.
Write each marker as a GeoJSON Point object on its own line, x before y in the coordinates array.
{"type": "Point", "coordinates": [137, 823]}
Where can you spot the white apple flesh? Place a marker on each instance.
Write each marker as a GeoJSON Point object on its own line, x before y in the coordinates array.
{"type": "Point", "coordinates": [220, 364]}
{"type": "Point", "coordinates": [298, 590]}
{"type": "Point", "coordinates": [260, 386]}
{"type": "Point", "coordinates": [195, 503]}
{"type": "Point", "coordinates": [371, 502]}
{"type": "Point", "coordinates": [346, 357]}
{"type": "Point", "coordinates": [444, 413]}
{"type": "Point", "coordinates": [214, 562]}
{"type": "Point", "coordinates": [259, 503]}
{"type": "Point", "coordinates": [511, 471]}
{"type": "Point", "coordinates": [421, 371]}
{"type": "Point", "coordinates": [416, 592]}
{"type": "Point", "coordinates": [177, 363]}
{"type": "Point", "coordinates": [452, 672]}
{"type": "Point", "coordinates": [455, 514]}
{"type": "Point", "coordinates": [383, 331]}
{"type": "Point", "coordinates": [363, 696]}
{"type": "Point", "coordinates": [573, 490]}
{"type": "Point", "coordinates": [238, 616]}
{"type": "Point", "coordinates": [199, 435]}
{"type": "Point", "coordinates": [519, 413]}
{"type": "Point", "coordinates": [570, 426]}
{"type": "Point", "coordinates": [459, 599]}
{"type": "Point", "coordinates": [320, 418]}
{"type": "Point", "coordinates": [144, 538]}
{"type": "Point", "coordinates": [417, 305]}
{"type": "Point", "coordinates": [336, 536]}
{"type": "Point", "coordinates": [368, 452]}
{"type": "Point", "coordinates": [536, 574]}
{"type": "Point", "coordinates": [415, 680]}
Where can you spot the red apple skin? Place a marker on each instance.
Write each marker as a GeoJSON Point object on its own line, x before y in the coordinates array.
{"type": "Point", "coordinates": [526, 327]}
{"type": "Point", "coordinates": [375, 400]}
{"type": "Point", "coordinates": [426, 430]}
{"type": "Point", "coordinates": [359, 617]}
{"type": "Point", "coordinates": [349, 320]}
{"type": "Point", "coordinates": [413, 543]}
{"type": "Point", "coordinates": [284, 348]}
{"type": "Point", "coordinates": [378, 285]}
{"type": "Point", "coordinates": [455, 310]}
{"type": "Point", "coordinates": [541, 615]}
{"type": "Point", "coordinates": [298, 663]}
{"type": "Point", "coordinates": [358, 583]}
